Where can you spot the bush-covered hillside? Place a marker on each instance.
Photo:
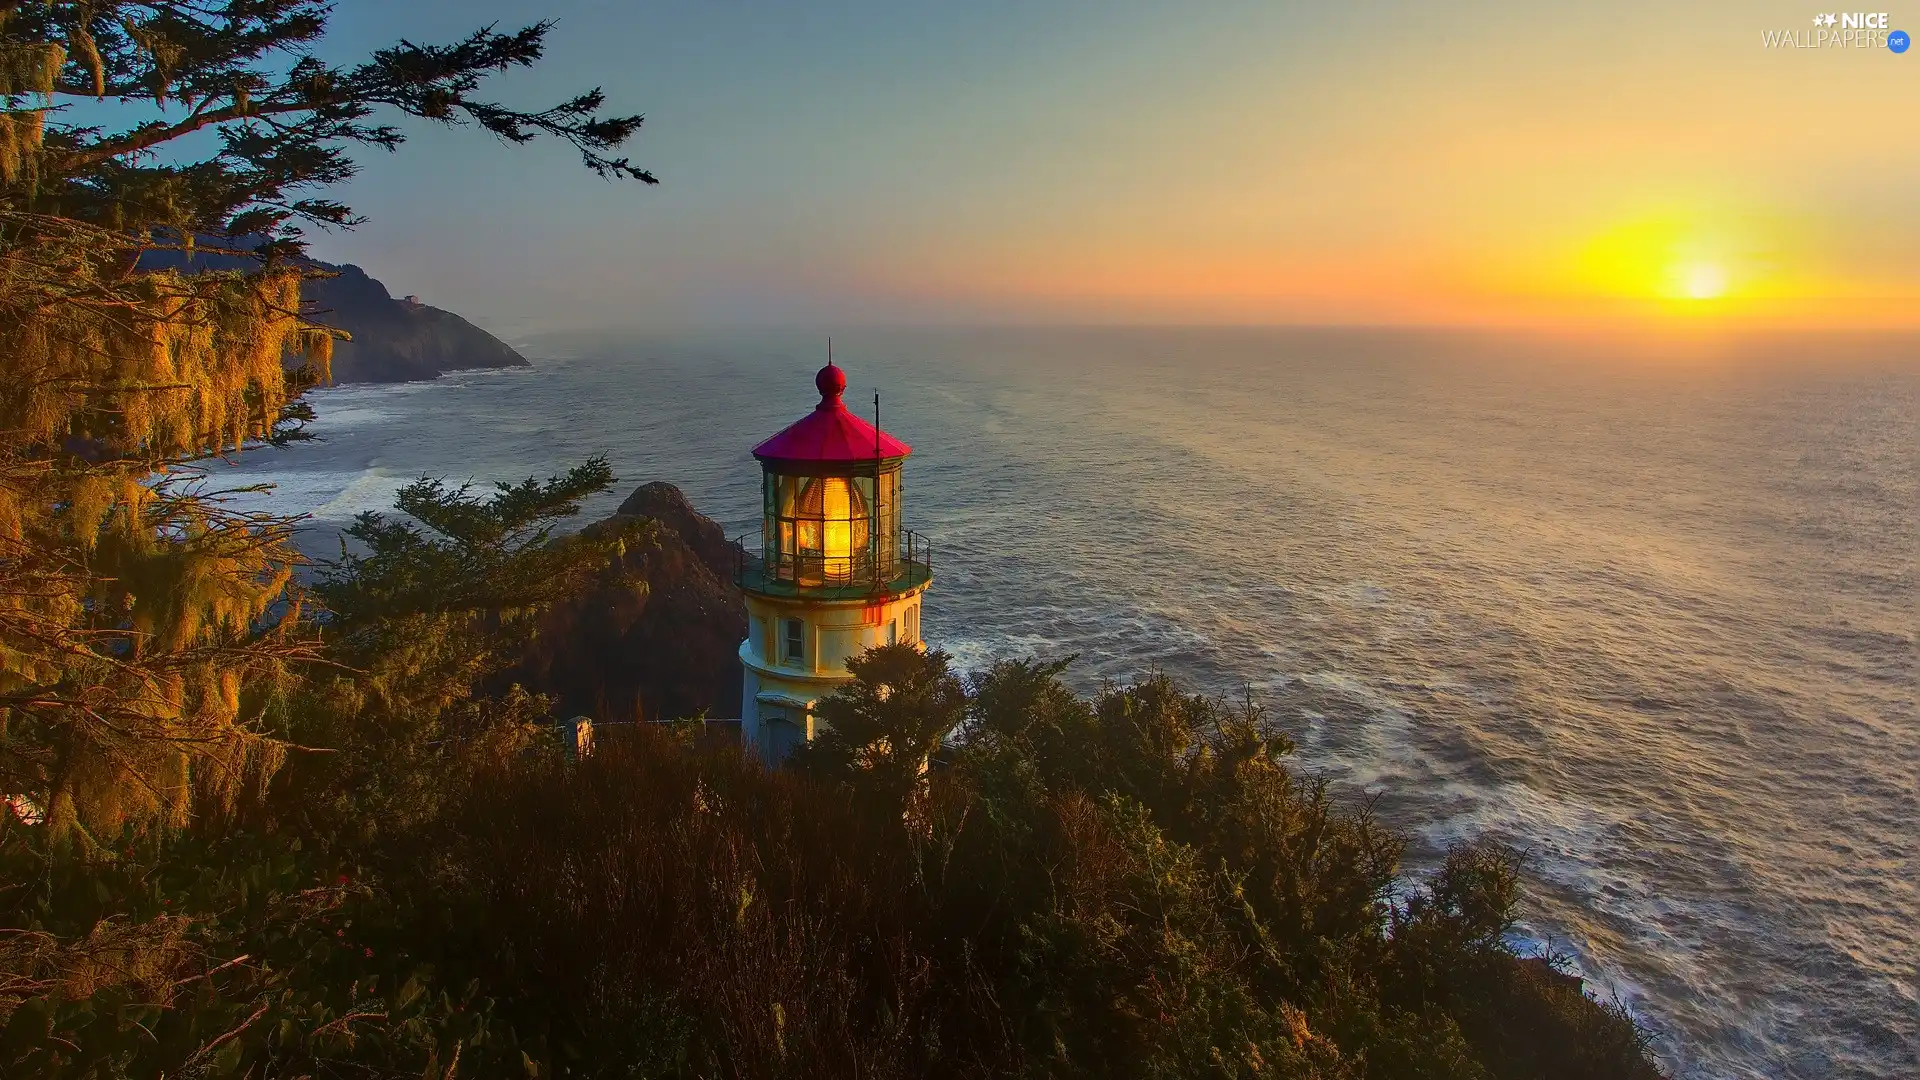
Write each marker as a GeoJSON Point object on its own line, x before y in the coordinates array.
{"type": "Point", "coordinates": [1133, 885]}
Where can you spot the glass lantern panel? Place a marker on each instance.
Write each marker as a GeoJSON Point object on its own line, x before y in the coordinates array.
{"type": "Point", "coordinates": [832, 530]}
{"type": "Point", "coordinates": [833, 524]}
{"type": "Point", "coordinates": [889, 525]}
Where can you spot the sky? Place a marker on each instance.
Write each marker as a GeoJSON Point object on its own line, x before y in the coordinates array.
{"type": "Point", "coordinates": [1124, 161]}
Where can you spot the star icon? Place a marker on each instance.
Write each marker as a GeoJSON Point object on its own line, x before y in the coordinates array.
{"type": "Point", "coordinates": [1819, 20]}
{"type": "Point", "coordinates": [1831, 20]}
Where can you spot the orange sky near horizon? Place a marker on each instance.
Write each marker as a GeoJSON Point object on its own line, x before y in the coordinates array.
{"type": "Point", "coordinates": [1694, 183]}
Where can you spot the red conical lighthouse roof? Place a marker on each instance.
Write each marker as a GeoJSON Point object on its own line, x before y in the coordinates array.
{"type": "Point", "coordinates": [831, 433]}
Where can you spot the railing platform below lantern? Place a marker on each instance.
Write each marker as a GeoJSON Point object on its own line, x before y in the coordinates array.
{"type": "Point", "coordinates": [835, 578]}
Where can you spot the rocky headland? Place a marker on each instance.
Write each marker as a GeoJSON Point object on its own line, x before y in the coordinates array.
{"type": "Point", "coordinates": [394, 339]}
{"type": "Point", "coordinates": [398, 340]}
{"type": "Point", "coordinates": [662, 649]}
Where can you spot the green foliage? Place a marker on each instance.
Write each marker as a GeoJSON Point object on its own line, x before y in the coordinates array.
{"type": "Point", "coordinates": [140, 615]}
{"type": "Point", "coordinates": [456, 589]}
{"type": "Point", "coordinates": [426, 612]}
{"type": "Point", "coordinates": [884, 727]}
{"type": "Point", "coordinates": [218, 957]}
{"type": "Point", "coordinates": [1176, 902]}
{"type": "Point", "coordinates": [286, 942]}
{"type": "Point", "coordinates": [1130, 886]}
{"type": "Point", "coordinates": [283, 119]}
{"type": "Point", "coordinates": [467, 553]}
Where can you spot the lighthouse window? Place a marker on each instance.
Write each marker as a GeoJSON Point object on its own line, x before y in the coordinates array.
{"type": "Point", "coordinates": [893, 631]}
{"type": "Point", "coordinates": [796, 641]}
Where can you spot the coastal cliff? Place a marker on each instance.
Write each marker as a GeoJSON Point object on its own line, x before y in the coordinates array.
{"type": "Point", "coordinates": [394, 340]}
{"type": "Point", "coordinates": [662, 651]}
{"type": "Point", "coordinates": [397, 340]}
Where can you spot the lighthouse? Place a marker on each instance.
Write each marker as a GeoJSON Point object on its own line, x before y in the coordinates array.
{"type": "Point", "coordinates": [836, 574]}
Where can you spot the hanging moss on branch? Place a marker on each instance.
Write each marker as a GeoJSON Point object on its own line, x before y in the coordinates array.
{"type": "Point", "coordinates": [136, 605]}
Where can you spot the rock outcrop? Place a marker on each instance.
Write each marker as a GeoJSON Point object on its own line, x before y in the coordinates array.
{"type": "Point", "coordinates": [398, 340]}
{"type": "Point", "coordinates": [668, 651]}
{"type": "Point", "coordinates": [393, 340]}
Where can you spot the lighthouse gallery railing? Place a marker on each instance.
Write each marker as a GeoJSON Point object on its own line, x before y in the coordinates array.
{"type": "Point", "coordinates": [834, 576]}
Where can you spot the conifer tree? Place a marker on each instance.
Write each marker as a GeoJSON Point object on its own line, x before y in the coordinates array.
{"type": "Point", "coordinates": [882, 728]}
{"type": "Point", "coordinates": [422, 614]}
{"type": "Point", "coordinates": [144, 622]}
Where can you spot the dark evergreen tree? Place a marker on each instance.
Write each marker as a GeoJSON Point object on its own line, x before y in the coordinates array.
{"type": "Point", "coordinates": [880, 732]}
{"type": "Point", "coordinates": [421, 611]}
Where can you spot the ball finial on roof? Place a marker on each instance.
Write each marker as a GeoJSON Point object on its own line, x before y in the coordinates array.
{"type": "Point", "coordinates": [831, 434]}
{"type": "Point", "coordinates": [832, 382]}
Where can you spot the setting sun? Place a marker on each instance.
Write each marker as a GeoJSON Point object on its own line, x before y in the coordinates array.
{"type": "Point", "coordinates": [1704, 281]}
{"type": "Point", "coordinates": [1681, 262]}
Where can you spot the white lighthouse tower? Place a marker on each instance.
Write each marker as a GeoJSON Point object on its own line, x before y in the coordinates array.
{"type": "Point", "coordinates": [836, 574]}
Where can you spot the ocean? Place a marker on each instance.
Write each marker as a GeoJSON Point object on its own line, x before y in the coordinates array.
{"type": "Point", "coordinates": [1644, 610]}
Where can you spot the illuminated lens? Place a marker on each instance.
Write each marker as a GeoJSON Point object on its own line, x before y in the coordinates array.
{"type": "Point", "coordinates": [836, 506]}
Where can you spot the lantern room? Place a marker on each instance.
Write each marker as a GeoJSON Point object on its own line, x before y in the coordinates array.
{"type": "Point", "coordinates": [836, 574]}
{"type": "Point", "coordinates": [830, 501]}
{"type": "Point", "coordinates": [831, 530]}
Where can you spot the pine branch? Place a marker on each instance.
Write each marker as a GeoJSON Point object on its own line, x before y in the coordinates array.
{"type": "Point", "coordinates": [148, 136]}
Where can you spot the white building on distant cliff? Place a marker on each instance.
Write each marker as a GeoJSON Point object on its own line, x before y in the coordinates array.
{"type": "Point", "coordinates": [836, 575]}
